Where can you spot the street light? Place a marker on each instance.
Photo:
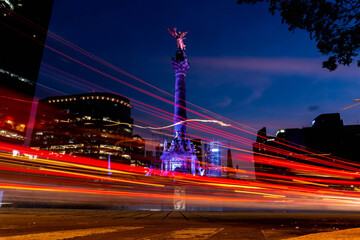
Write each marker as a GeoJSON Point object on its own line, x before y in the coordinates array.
{"type": "Point", "coordinates": [355, 100]}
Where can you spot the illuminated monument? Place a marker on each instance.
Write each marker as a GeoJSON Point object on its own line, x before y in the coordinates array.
{"type": "Point", "coordinates": [180, 155]}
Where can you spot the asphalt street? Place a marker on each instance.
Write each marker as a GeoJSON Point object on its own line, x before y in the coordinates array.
{"type": "Point", "coordinates": [57, 224]}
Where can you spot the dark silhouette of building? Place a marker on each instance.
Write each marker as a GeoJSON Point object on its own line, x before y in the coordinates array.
{"type": "Point", "coordinates": [328, 139]}
{"type": "Point", "coordinates": [199, 152]}
{"type": "Point", "coordinates": [23, 28]}
{"type": "Point", "coordinates": [96, 125]}
{"type": "Point", "coordinates": [137, 151]}
{"type": "Point", "coordinates": [229, 165]}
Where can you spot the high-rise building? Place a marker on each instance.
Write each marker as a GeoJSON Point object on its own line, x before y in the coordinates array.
{"type": "Point", "coordinates": [328, 139]}
{"type": "Point", "coordinates": [96, 125]}
{"type": "Point", "coordinates": [137, 152]}
{"type": "Point", "coordinates": [23, 28]}
{"type": "Point", "coordinates": [229, 165]}
{"type": "Point", "coordinates": [213, 159]}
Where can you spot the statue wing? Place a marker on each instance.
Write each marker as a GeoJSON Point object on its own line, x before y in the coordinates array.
{"type": "Point", "coordinates": [172, 32]}
{"type": "Point", "coordinates": [183, 34]}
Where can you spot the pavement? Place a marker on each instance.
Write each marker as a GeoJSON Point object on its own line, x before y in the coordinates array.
{"type": "Point", "coordinates": [58, 224]}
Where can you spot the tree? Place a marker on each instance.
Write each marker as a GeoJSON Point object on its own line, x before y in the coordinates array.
{"type": "Point", "coordinates": [333, 24]}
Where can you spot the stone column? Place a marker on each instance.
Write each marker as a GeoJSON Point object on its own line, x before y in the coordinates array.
{"type": "Point", "coordinates": [181, 66]}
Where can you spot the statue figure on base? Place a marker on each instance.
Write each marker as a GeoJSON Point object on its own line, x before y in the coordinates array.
{"type": "Point", "coordinates": [180, 36]}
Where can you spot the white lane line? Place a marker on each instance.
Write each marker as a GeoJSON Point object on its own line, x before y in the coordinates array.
{"type": "Point", "coordinates": [65, 234]}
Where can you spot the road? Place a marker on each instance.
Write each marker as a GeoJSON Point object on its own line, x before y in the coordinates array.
{"type": "Point", "coordinates": [58, 224]}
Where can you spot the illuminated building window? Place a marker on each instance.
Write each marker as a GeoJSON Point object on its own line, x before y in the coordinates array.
{"type": "Point", "coordinates": [49, 101]}
{"type": "Point", "coordinates": [97, 97]}
{"type": "Point", "coordinates": [20, 127]}
{"type": "Point", "coordinates": [10, 122]}
{"type": "Point", "coordinates": [57, 100]}
{"type": "Point", "coordinates": [102, 97]}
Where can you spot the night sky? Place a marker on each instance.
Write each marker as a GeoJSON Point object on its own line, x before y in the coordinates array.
{"type": "Point", "coordinates": [245, 64]}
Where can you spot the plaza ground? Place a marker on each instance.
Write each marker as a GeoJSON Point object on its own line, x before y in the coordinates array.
{"type": "Point", "coordinates": [57, 224]}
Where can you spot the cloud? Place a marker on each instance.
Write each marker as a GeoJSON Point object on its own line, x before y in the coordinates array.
{"type": "Point", "coordinates": [225, 102]}
{"type": "Point", "coordinates": [276, 65]}
{"type": "Point", "coordinates": [258, 85]}
{"type": "Point", "coordinates": [313, 108]}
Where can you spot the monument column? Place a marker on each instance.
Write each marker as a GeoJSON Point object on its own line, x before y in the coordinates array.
{"type": "Point", "coordinates": [180, 155]}
{"type": "Point", "coordinates": [181, 66]}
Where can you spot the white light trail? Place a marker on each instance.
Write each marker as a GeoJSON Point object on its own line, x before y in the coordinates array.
{"type": "Point", "coordinates": [165, 127]}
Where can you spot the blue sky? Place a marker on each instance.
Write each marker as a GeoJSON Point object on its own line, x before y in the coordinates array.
{"type": "Point", "coordinates": [245, 64]}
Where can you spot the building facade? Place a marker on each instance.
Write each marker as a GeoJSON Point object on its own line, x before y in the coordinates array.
{"type": "Point", "coordinates": [96, 125]}
{"type": "Point", "coordinates": [23, 28]}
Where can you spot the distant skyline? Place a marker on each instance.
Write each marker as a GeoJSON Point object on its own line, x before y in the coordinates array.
{"type": "Point", "coordinates": [245, 64]}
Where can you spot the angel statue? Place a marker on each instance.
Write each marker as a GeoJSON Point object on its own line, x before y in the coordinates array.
{"type": "Point", "coordinates": [179, 38]}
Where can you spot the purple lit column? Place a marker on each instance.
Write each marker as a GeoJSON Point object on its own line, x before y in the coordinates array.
{"type": "Point", "coordinates": [181, 66]}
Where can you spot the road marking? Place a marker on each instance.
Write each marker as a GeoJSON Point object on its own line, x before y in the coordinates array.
{"type": "Point", "coordinates": [60, 235]}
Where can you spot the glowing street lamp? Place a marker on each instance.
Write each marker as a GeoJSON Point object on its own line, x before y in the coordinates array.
{"type": "Point", "coordinates": [356, 100]}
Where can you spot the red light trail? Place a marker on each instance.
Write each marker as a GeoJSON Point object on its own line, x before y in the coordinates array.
{"type": "Point", "coordinates": [295, 192]}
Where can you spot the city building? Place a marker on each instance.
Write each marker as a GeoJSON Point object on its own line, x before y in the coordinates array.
{"type": "Point", "coordinates": [96, 125]}
{"type": "Point", "coordinates": [23, 28]}
{"type": "Point", "coordinates": [327, 139]}
{"type": "Point", "coordinates": [137, 152]}
{"type": "Point", "coordinates": [212, 158]}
